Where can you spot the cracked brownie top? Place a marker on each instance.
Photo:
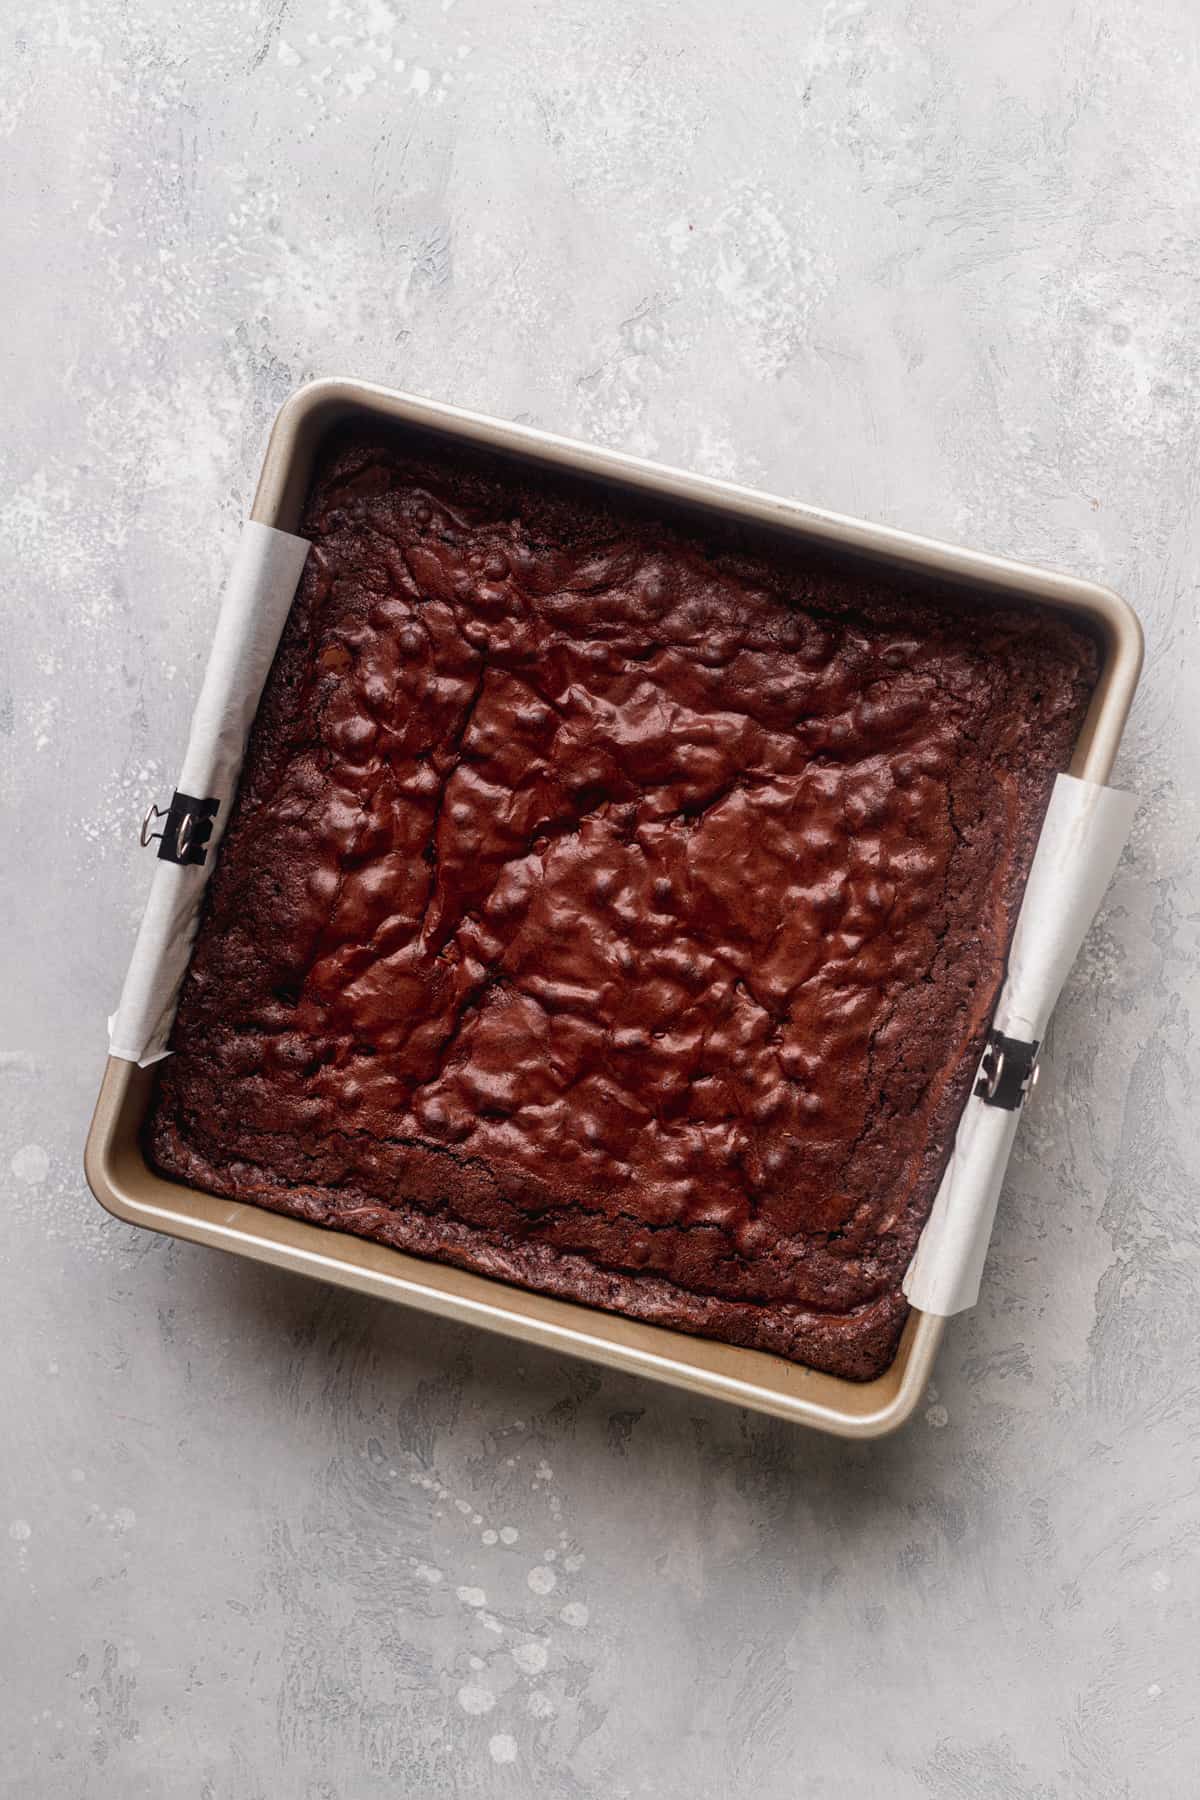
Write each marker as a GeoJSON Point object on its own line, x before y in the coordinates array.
{"type": "Point", "coordinates": [612, 910]}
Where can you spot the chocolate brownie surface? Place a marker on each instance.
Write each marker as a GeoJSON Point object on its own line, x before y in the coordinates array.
{"type": "Point", "coordinates": [610, 910]}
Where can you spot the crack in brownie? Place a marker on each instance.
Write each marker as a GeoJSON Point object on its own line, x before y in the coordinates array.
{"type": "Point", "coordinates": [612, 909]}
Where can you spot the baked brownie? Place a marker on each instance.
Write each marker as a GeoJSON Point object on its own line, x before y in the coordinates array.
{"type": "Point", "coordinates": [610, 908]}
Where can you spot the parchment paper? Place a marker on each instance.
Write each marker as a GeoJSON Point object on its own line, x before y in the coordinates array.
{"type": "Point", "coordinates": [1081, 841]}
{"type": "Point", "coordinates": [261, 586]}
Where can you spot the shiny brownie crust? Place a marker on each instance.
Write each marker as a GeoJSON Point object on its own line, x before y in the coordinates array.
{"type": "Point", "coordinates": [612, 909]}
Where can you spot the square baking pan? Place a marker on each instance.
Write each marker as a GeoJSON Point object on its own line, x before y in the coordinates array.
{"type": "Point", "coordinates": [117, 1170]}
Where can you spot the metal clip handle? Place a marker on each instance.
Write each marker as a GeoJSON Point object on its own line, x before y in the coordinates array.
{"type": "Point", "coordinates": [153, 813]}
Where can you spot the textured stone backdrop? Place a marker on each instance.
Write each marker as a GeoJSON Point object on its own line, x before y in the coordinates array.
{"type": "Point", "coordinates": [934, 261]}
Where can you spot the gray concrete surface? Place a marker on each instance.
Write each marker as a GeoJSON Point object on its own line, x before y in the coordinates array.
{"type": "Point", "coordinates": [933, 261]}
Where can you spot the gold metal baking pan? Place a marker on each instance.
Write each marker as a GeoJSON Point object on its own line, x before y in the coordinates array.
{"type": "Point", "coordinates": [117, 1171]}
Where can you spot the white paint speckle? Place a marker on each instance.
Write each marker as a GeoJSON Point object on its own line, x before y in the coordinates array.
{"type": "Point", "coordinates": [427, 1572]}
{"type": "Point", "coordinates": [475, 1662]}
{"type": "Point", "coordinates": [418, 81]}
{"type": "Point", "coordinates": [530, 1658]}
{"type": "Point", "coordinates": [502, 1748]}
{"type": "Point", "coordinates": [540, 1706]}
{"type": "Point", "coordinates": [489, 1537]}
{"type": "Point", "coordinates": [464, 1506]}
{"type": "Point", "coordinates": [549, 1555]}
{"type": "Point", "coordinates": [30, 1164]}
{"type": "Point", "coordinates": [124, 1518]}
{"type": "Point", "coordinates": [574, 1562]}
{"type": "Point", "coordinates": [574, 1614]}
{"type": "Point", "coordinates": [1154, 1690]}
{"type": "Point", "coordinates": [937, 1416]}
{"type": "Point", "coordinates": [509, 1534]}
{"type": "Point", "coordinates": [474, 1698]}
{"type": "Point", "coordinates": [544, 1472]}
{"type": "Point", "coordinates": [490, 1622]}
{"type": "Point", "coordinates": [20, 1531]}
{"type": "Point", "coordinates": [541, 1579]}
{"type": "Point", "coordinates": [472, 1596]}
{"type": "Point", "coordinates": [1160, 1581]}
{"type": "Point", "coordinates": [378, 18]}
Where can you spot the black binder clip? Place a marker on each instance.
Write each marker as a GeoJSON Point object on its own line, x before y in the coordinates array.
{"type": "Point", "coordinates": [1008, 1072]}
{"type": "Point", "coordinates": [186, 828]}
